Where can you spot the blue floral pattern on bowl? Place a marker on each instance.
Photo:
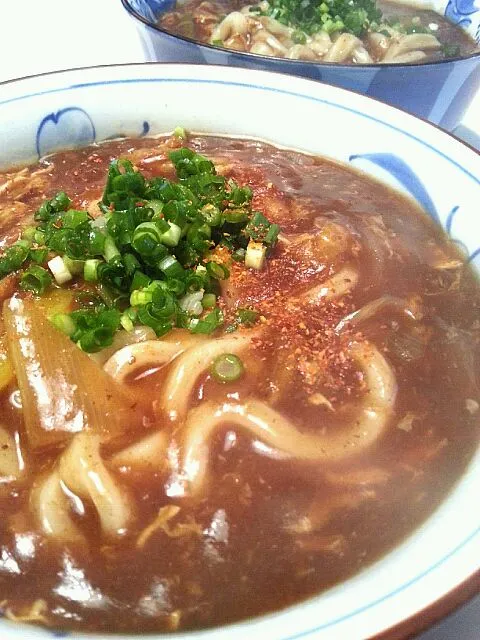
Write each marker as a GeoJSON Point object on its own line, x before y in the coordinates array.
{"type": "Point", "coordinates": [403, 174]}
{"type": "Point", "coordinates": [465, 14]}
{"type": "Point", "coordinates": [72, 126]}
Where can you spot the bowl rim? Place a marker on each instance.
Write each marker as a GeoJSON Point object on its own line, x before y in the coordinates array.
{"type": "Point", "coordinates": [471, 585]}
{"type": "Point", "coordinates": [287, 61]}
{"type": "Point", "coordinates": [436, 612]}
{"type": "Point", "coordinates": [154, 63]}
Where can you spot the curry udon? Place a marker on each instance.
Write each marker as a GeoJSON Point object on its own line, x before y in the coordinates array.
{"type": "Point", "coordinates": [332, 31]}
{"type": "Point", "coordinates": [221, 422]}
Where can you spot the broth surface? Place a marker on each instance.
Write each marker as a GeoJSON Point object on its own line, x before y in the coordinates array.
{"type": "Point", "coordinates": [264, 530]}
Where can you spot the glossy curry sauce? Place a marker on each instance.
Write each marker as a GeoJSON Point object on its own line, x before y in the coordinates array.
{"type": "Point", "coordinates": [268, 532]}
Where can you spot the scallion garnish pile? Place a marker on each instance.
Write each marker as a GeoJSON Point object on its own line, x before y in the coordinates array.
{"type": "Point", "coordinates": [309, 16]}
{"type": "Point", "coordinates": [149, 256]}
{"type": "Point", "coordinates": [357, 17]}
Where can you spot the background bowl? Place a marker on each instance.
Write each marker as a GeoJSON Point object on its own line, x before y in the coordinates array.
{"type": "Point", "coordinates": [437, 91]}
{"type": "Point", "coordinates": [42, 114]}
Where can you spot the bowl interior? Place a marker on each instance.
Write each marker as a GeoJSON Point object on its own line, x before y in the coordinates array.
{"type": "Point", "coordinates": [72, 109]}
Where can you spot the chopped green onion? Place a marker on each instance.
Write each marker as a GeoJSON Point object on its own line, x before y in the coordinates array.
{"type": "Point", "coordinates": [139, 298]}
{"type": "Point", "coordinates": [95, 339]}
{"type": "Point", "coordinates": [171, 267]}
{"type": "Point", "coordinates": [217, 270]}
{"type": "Point", "coordinates": [199, 235]}
{"type": "Point", "coordinates": [188, 163]}
{"type": "Point", "coordinates": [255, 255]}
{"type": "Point", "coordinates": [94, 329]}
{"type": "Point", "coordinates": [149, 248]}
{"type": "Point", "coordinates": [36, 279]}
{"type": "Point", "coordinates": [176, 286]}
{"type": "Point", "coordinates": [39, 237]}
{"type": "Point", "coordinates": [75, 267]}
{"type": "Point", "coordinates": [298, 37]}
{"type": "Point", "coordinates": [247, 317]}
{"type": "Point", "coordinates": [240, 196]}
{"type": "Point", "coordinates": [130, 263]}
{"type": "Point", "coordinates": [209, 300]}
{"type": "Point", "coordinates": [90, 269]}
{"type": "Point", "coordinates": [73, 218]}
{"type": "Point", "coordinates": [50, 208]}
{"type": "Point", "coordinates": [29, 233]}
{"type": "Point", "coordinates": [450, 50]}
{"type": "Point", "coordinates": [110, 249]}
{"type": "Point", "coordinates": [157, 207]}
{"type": "Point", "coordinates": [139, 280]}
{"type": "Point", "coordinates": [147, 239]}
{"type": "Point", "coordinates": [354, 16]}
{"type": "Point", "coordinates": [65, 323]}
{"type": "Point", "coordinates": [206, 325]}
{"type": "Point", "coordinates": [227, 367]}
{"type": "Point", "coordinates": [59, 270]}
{"type": "Point", "coordinates": [196, 281]}
{"type": "Point", "coordinates": [244, 316]}
{"type": "Point", "coordinates": [239, 255]}
{"type": "Point", "coordinates": [211, 214]}
{"type": "Point", "coordinates": [179, 132]}
{"type": "Point", "coordinates": [258, 226]}
{"type": "Point", "coordinates": [14, 257]}
{"type": "Point", "coordinates": [192, 303]}
{"type": "Point", "coordinates": [126, 321]}
{"type": "Point", "coordinates": [172, 236]}
{"type": "Point", "coordinates": [236, 216]}
{"type": "Point", "coordinates": [272, 234]}
{"type": "Point", "coordinates": [38, 255]}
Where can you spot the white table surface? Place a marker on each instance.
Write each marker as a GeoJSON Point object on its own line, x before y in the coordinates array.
{"type": "Point", "coordinates": [47, 35]}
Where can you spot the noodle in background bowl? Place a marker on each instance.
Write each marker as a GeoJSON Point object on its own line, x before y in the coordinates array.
{"type": "Point", "coordinates": [38, 115]}
{"type": "Point", "coordinates": [437, 91]}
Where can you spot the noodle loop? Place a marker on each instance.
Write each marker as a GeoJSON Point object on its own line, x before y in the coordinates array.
{"type": "Point", "coordinates": [279, 434]}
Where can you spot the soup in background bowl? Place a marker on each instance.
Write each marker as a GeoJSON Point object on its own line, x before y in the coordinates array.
{"type": "Point", "coordinates": [267, 351]}
{"type": "Point", "coordinates": [435, 75]}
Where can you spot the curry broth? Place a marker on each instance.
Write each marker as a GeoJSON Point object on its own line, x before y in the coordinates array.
{"type": "Point", "coordinates": [266, 531]}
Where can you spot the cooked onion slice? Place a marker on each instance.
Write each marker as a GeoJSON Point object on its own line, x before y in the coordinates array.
{"type": "Point", "coordinates": [334, 287]}
{"type": "Point", "coordinates": [12, 464]}
{"type": "Point", "coordinates": [63, 391]}
{"type": "Point", "coordinates": [408, 308]}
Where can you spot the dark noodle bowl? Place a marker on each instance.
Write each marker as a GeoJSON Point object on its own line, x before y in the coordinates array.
{"type": "Point", "coordinates": [356, 412]}
{"type": "Point", "coordinates": [439, 90]}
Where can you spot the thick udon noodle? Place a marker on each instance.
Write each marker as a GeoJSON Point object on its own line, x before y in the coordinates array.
{"type": "Point", "coordinates": [289, 427]}
{"type": "Point", "coordinates": [268, 37]}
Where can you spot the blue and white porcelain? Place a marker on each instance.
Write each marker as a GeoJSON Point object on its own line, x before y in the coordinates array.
{"type": "Point", "coordinates": [42, 114]}
{"type": "Point", "coordinates": [437, 91]}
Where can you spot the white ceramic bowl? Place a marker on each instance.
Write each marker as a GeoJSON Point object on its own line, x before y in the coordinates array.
{"type": "Point", "coordinates": [439, 91]}
{"type": "Point", "coordinates": [66, 109]}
